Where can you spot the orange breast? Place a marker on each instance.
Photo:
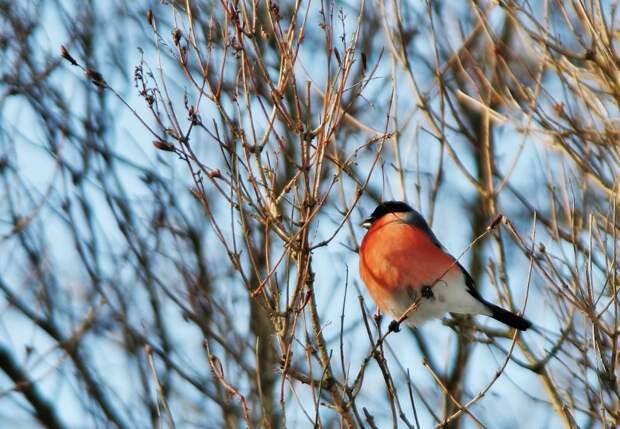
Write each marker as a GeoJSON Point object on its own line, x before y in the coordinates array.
{"type": "Point", "coordinates": [395, 255]}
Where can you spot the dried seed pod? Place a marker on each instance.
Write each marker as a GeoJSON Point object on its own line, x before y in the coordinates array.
{"type": "Point", "coordinates": [215, 174]}
{"type": "Point", "coordinates": [67, 56]}
{"type": "Point", "coordinates": [162, 145]}
{"type": "Point", "coordinates": [176, 36]}
{"type": "Point", "coordinates": [172, 133]}
{"type": "Point", "coordinates": [95, 77]}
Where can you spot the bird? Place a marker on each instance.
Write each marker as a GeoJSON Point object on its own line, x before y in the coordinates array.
{"type": "Point", "coordinates": [401, 261]}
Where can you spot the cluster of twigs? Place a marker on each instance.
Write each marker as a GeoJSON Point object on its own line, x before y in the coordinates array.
{"type": "Point", "coordinates": [208, 279]}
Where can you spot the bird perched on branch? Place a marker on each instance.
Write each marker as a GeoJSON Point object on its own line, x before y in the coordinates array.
{"type": "Point", "coordinates": [401, 263]}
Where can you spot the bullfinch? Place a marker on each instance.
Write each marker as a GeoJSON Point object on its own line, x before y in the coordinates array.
{"type": "Point", "coordinates": [401, 261]}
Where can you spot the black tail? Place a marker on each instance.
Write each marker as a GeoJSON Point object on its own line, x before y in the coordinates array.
{"type": "Point", "coordinates": [508, 318]}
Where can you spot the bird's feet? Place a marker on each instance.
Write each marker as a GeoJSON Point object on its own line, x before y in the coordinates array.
{"type": "Point", "coordinates": [427, 292]}
{"type": "Point", "coordinates": [394, 326]}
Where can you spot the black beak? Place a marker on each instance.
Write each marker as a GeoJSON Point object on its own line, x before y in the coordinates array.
{"type": "Point", "coordinates": [367, 223]}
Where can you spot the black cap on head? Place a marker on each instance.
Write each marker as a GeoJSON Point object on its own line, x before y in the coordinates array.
{"type": "Point", "coordinates": [385, 208]}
